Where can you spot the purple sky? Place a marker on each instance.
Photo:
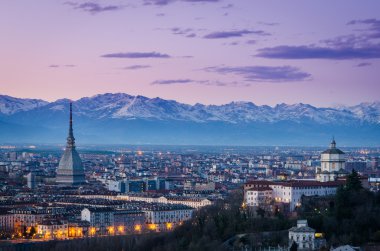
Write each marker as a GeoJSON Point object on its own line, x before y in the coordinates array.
{"type": "Point", "coordinates": [208, 51]}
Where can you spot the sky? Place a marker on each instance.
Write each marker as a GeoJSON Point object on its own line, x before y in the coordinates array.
{"type": "Point", "coordinates": [323, 53]}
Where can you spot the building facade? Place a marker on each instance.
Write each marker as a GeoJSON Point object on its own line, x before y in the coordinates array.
{"type": "Point", "coordinates": [52, 229]}
{"type": "Point", "coordinates": [110, 221]}
{"type": "Point", "coordinates": [302, 235]}
{"type": "Point", "coordinates": [100, 219]}
{"type": "Point", "coordinates": [166, 217]}
{"type": "Point", "coordinates": [332, 164]}
{"type": "Point", "coordinates": [259, 196]}
{"type": "Point", "coordinates": [287, 192]}
{"type": "Point", "coordinates": [18, 219]}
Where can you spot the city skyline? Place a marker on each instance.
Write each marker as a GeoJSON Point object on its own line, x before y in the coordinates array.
{"type": "Point", "coordinates": [220, 51]}
{"type": "Point", "coordinates": [189, 125]}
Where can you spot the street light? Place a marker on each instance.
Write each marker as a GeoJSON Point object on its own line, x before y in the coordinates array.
{"type": "Point", "coordinates": [121, 229]}
{"type": "Point", "coordinates": [92, 231]}
{"type": "Point", "coordinates": [138, 228]}
{"type": "Point", "coordinates": [169, 226]}
{"type": "Point", "coordinates": [111, 230]}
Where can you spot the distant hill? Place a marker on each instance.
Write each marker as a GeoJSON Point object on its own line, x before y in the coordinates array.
{"type": "Point", "coordinates": [124, 119]}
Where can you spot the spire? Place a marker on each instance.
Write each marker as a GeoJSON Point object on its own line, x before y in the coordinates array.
{"type": "Point", "coordinates": [333, 143]}
{"type": "Point", "coordinates": [70, 138]}
{"type": "Point", "coordinates": [70, 169]}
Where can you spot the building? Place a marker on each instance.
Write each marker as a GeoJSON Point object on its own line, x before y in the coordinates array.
{"type": "Point", "coordinates": [78, 229]}
{"type": "Point", "coordinates": [70, 170]}
{"type": "Point", "coordinates": [31, 180]}
{"type": "Point", "coordinates": [100, 219]}
{"type": "Point", "coordinates": [288, 192]}
{"type": "Point", "coordinates": [52, 229]}
{"type": "Point", "coordinates": [302, 235]}
{"type": "Point", "coordinates": [374, 184]}
{"type": "Point", "coordinates": [21, 218]}
{"type": "Point", "coordinates": [332, 164]}
{"type": "Point", "coordinates": [154, 183]}
{"type": "Point", "coordinates": [116, 186]}
{"type": "Point", "coordinates": [194, 202]}
{"type": "Point", "coordinates": [258, 196]}
{"type": "Point", "coordinates": [199, 186]}
{"type": "Point", "coordinates": [110, 221]}
{"type": "Point", "coordinates": [129, 221]}
{"type": "Point", "coordinates": [161, 217]}
{"type": "Point", "coordinates": [135, 186]}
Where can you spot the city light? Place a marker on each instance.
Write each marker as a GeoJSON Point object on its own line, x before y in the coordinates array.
{"type": "Point", "coordinates": [169, 226]}
{"type": "Point", "coordinates": [59, 234]}
{"type": "Point", "coordinates": [130, 194]}
{"type": "Point", "coordinates": [138, 228]}
{"type": "Point", "coordinates": [72, 232]}
{"type": "Point", "coordinates": [152, 226]}
{"type": "Point", "coordinates": [243, 205]}
{"type": "Point", "coordinates": [111, 230]}
{"type": "Point", "coordinates": [92, 230]}
{"type": "Point", "coordinates": [121, 229]}
{"type": "Point", "coordinates": [47, 235]}
{"type": "Point", "coordinates": [318, 235]}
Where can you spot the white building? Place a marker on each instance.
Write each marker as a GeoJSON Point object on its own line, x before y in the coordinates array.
{"type": "Point", "coordinates": [332, 164]}
{"type": "Point", "coordinates": [302, 235]}
{"type": "Point", "coordinates": [52, 229]}
{"type": "Point", "coordinates": [166, 217]}
{"type": "Point", "coordinates": [31, 180]}
{"type": "Point", "coordinates": [116, 186]}
{"type": "Point", "coordinates": [289, 192]}
{"type": "Point", "coordinates": [194, 202]}
{"type": "Point", "coordinates": [258, 196]}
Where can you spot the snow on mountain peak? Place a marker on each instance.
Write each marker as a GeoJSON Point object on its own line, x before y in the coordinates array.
{"type": "Point", "coordinates": [124, 106]}
{"type": "Point", "coordinates": [10, 105]}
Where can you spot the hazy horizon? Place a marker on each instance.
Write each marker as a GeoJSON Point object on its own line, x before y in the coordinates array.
{"type": "Point", "coordinates": [93, 147]}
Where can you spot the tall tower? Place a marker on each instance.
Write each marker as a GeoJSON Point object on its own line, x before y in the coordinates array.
{"type": "Point", "coordinates": [70, 170]}
{"type": "Point", "coordinates": [332, 164]}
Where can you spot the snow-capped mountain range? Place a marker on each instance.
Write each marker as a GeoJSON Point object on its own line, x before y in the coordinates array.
{"type": "Point", "coordinates": [119, 118]}
{"type": "Point", "coordinates": [10, 105]}
{"type": "Point", "coordinates": [124, 106]}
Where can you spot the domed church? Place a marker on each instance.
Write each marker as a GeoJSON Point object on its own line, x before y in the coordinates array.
{"type": "Point", "coordinates": [332, 164]}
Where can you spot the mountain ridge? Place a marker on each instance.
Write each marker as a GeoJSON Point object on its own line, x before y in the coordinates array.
{"type": "Point", "coordinates": [122, 105]}
{"type": "Point", "coordinates": [123, 118]}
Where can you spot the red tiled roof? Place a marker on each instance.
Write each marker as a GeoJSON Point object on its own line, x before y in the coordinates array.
{"type": "Point", "coordinates": [259, 182]}
{"type": "Point", "coordinates": [297, 183]}
{"type": "Point", "coordinates": [260, 189]}
{"type": "Point", "coordinates": [312, 183]}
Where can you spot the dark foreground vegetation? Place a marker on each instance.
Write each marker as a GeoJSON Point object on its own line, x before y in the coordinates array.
{"type": "Point", "coordinates": [351, 217]}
